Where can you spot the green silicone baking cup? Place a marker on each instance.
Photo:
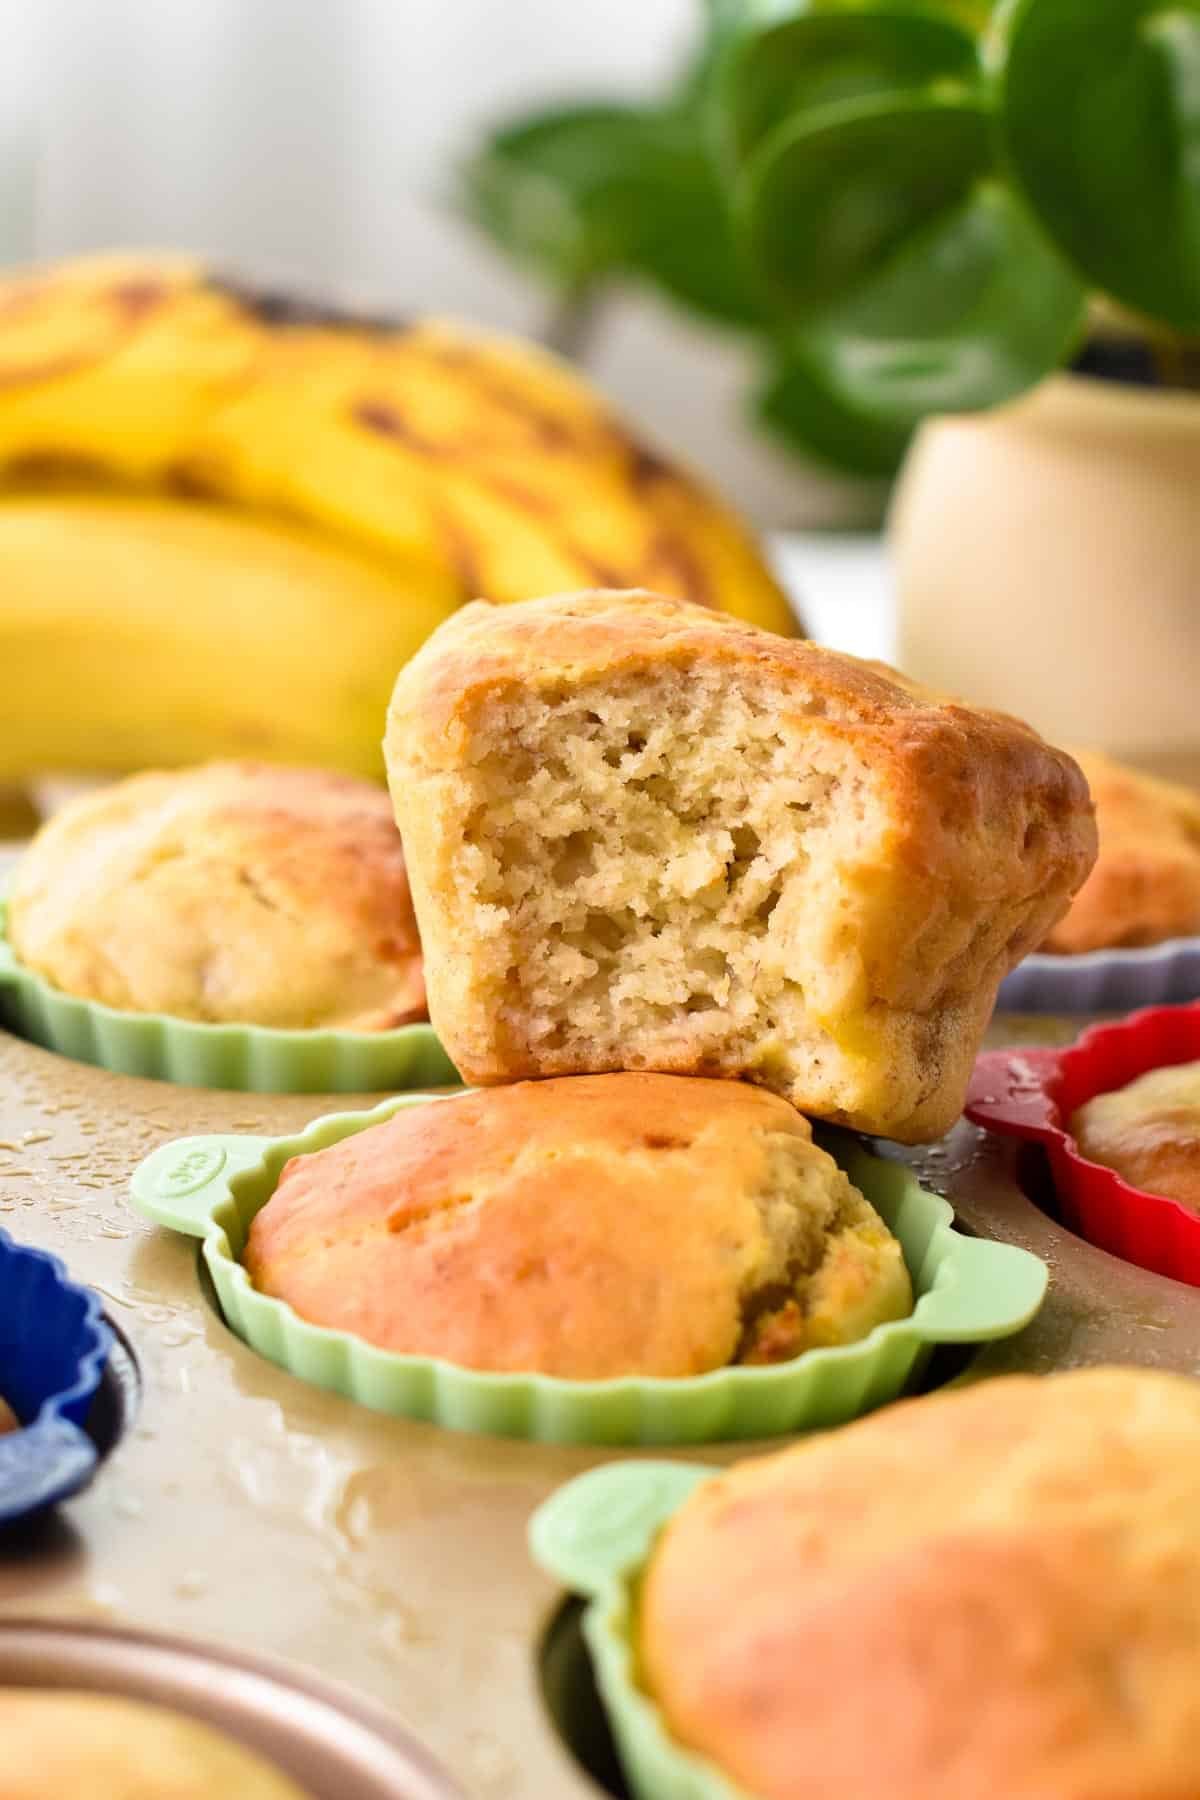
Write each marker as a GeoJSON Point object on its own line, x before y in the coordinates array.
{"type": "Point", "coordinates": [967, 1290]}
{"type": "Point", "coordinates": [595, 1536]}
{"type": "Point", "coordinates": [254, 1059]}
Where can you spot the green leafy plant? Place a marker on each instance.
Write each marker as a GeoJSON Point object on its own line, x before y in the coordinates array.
{"type": "Point", "coordinates": [908, 206]}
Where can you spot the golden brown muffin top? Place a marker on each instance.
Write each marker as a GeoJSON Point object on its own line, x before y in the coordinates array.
{"type": "Point", "coordinates": [1145, 886]}
{"type": "Point", "coordinates": [579, 636]}
{"type": "Point", "coordinates": [598, 1226]}
{"type": "Point", "coordinates": [56, 1744]}
{"type": "Point", "coordinates": [233, 892]}
{"type": "Point", "coordinates": [1149, 1132]}
{"type": "Point", "coordinates": [984, 1593]}
{"type": "Point", "coordinates": [950, 768]}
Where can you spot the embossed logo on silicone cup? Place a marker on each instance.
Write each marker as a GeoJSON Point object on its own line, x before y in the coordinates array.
{"type": "Point", "coordinates": [193, 1170]}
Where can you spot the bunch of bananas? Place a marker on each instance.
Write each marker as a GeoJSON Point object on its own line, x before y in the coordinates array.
{"type": "Point", "coordinates": [225, 521]}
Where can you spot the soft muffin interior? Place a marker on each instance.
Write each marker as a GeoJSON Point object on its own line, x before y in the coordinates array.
{"type": "Point", "coordinates": [639, 857]}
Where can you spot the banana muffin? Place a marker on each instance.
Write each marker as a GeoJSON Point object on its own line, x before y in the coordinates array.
{"type": "Point", "coordinates": [59, 1743]}
{"type": "Point", "coordinates": [231, 892]}
{"type": "Point", "coordinates": [8, 1418]}
{"type": "Point", "coordinates": [602, 1226]}
{"type": "Point", "coordinates": [643, 836]}
{"type": "Point", "coordinates": [987, 1593]}
{"type": "Point", "coordinates": [1148, 1132]}
{"type": "Point", "coordinates": [1145, 886]}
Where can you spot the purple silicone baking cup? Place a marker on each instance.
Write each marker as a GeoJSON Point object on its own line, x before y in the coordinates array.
{"type": "Point", "coordinates": [1104, 980]}
{"type": "Point", "coordinates": [54, 1345]}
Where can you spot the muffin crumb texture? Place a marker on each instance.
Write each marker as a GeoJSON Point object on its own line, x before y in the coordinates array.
{"type": "Point", "coordinates": [987, 1593]}
{"type": "Point", "coordinates": [232, 893]}
{"type": "Point", "coordinates": [643, 837]}
{"type": "Point", "coordinates": [609, 1225]}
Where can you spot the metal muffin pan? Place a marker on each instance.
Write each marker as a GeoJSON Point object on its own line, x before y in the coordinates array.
{"type": "Point", "coordinates": [249, 1511]}
{"type": "Point", "coordinates": [332, 1744]}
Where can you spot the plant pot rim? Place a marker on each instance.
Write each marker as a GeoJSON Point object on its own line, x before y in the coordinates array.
{"type": "Point", "coordinates": [1089, 405]}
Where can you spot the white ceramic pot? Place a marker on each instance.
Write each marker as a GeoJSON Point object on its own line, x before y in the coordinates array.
{"type": "Point", "coordinates": [1047, 562]}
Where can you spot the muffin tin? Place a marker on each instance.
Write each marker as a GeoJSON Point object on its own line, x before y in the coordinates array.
{"type": "Point", "coordinates": [329, 1741]}
{"type": "Point", "coordinates": [247, 1510]}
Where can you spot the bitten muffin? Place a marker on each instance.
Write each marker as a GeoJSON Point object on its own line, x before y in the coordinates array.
{"type": "Point", "coordinates": [603, 1226]}
{"type": "Point", "coordinates": [1149, 1132]}
{"type": "Point", "coordinates": [642, 836]}
{"type": "Point", "coordinates": [1145, 886]}
{"type": "Point", "coordinates": [231, 892]}
{"type": "Point", "coordinates": [58, 1743]}
{"type": "Point", "coordinates": [988, 1593]}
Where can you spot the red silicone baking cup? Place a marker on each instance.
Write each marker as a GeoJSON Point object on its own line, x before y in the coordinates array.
{"type": "Point", "coordinates": [1032, 1093]}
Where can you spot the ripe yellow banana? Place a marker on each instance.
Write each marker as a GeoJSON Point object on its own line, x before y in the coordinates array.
{"type": "Point", "coordinates": [224, 524]}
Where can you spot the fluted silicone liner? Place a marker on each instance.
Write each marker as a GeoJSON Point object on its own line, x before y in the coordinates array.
{"type": "Point", "coordinates": [967, 1290]}
{"type": "Point", "coordinates": [254, 1059]}
{"type": "Point", "coordinates": [53, 1348]}
{"type": "Point", "coordinates": [1033, 1094]}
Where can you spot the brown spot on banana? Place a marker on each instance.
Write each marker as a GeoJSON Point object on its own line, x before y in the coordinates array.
{"type": "Point", "coordinates": [669, 562]}
{"type": "Point", "coordinates": [270, 306]}
{"type": "Point", "coordinates": [136, 298]}
{"type": "Point", "coordinates": [460, 549]}
{"type": "Point", "coordinates": [647, 467]}
{"type": "Point", "coordinates": [672, 566]}
{"type": "Point", "coordinates": [548, 430]}
{"type": "Point", "coordinates": [116, 312]}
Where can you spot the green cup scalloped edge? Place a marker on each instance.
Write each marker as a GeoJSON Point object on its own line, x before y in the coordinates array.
{"type": "Point", "coordinates": [594, 1536]}
{"type": "Point", "coordinates": [968, 1290]}
{"type": "Point", "coordinates": [252, 1059]}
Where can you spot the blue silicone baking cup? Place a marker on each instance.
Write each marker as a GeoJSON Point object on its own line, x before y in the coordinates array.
{"type": "Point", "coordinates": [54, 1345]}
